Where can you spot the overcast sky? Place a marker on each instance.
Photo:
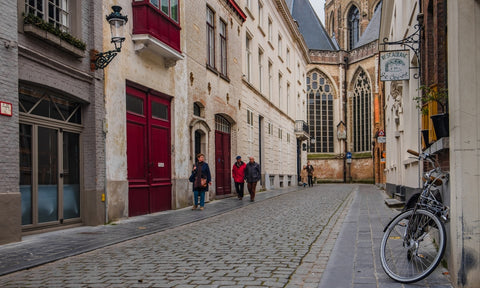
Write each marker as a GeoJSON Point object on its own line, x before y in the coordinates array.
{"type": "Point", "coordinates": [319, 5]}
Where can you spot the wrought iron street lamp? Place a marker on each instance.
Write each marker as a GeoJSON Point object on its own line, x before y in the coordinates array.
{"type": "Point", "coordinates": [117, 22]}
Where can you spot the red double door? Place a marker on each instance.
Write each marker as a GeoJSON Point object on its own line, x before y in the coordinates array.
{"type": "Point", "coordinates": [222, 163]}
{"type": "Point", "coordinates": [148, 152]}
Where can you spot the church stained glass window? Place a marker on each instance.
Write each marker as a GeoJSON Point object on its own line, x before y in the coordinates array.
{"type": "Point", "coordinates": [320, 112]}
{"type": "Point", "coordinates": [361, 113]}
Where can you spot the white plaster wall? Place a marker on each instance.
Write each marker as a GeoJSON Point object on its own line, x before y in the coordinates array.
{"type": "Point", "coordinates": [404, 133]}
{"type": "Point", "coordinates": [144, 68]}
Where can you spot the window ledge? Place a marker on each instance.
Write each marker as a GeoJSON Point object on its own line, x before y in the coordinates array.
{"type": "Point", "coordinates": [53, 39]}
{"type": "Point", "coordinates": [147, 42]}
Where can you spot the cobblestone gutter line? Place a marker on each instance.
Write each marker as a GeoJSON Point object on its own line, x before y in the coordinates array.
{"type": "Point", "coordinates": [313, 264]}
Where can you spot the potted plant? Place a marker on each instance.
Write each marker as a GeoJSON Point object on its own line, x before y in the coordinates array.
{"type": "Point", "coordinates": [440, 96]}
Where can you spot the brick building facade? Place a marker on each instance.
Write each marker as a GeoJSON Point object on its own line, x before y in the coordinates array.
{"type": "Point", "coordinates": [57, 109]}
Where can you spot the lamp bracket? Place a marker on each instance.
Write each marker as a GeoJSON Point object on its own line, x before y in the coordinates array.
{"type": "Point", "coordinates": [102, 59]}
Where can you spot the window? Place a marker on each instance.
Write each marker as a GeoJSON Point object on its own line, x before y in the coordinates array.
{"type": "Point", "coordinates": [270, 80]}
{"type": "Point", "coordinates": [280, 44]}
{"type": "Point", "coordinates": [170, 8]}
{"type": "Point", "coordinates": [288, 58]}
{"type": "Point", "coordinates": [270, 128]}
{"type": "Point", "coordinates": [250, 131]}
{"type": "Point", "coordinates": [210, 38]}
{"type": "Point", "coordinates": [45, 103]}
{"type": "Point", "coordinates": [353, 27]}
{"type": "Point", "coordinates": [280, 133]}
{"type": "Point", "coordinates": [260, 15]}
{"type": "Point", "coordinates": [270, 27]}
{"type": "Point", "coordinates": [53, 12]}
{"type": "Point", "coordinates": [361, 103]}
{"type": "Point", "coordinates": [320, 112]}
{"type": "Point", "coordinates": [222, 124]}
{"type": "Point", "coordinates": [197, 110]}
{"type": "Point", "coordinates": [223, 48]}
{"type": "Point", "coordinates": [249, 118]}
{"type": "Point", "coordinates": [288, 96]}
{"type": "Point", "coordinates": [248, 58]}
{"type": "Point", "coordinates": [280, 90]}
{"type": "Point", "coordinates": [249, 4]}
{"type": "Point", "coordinates": [260, 70]}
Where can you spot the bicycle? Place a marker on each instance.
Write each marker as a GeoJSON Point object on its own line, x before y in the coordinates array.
{"type": "Point", "coordinates": [414, 241]}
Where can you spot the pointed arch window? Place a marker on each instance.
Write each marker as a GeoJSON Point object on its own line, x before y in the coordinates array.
{"type": "Point", "coordinates": [353, 27]}
{"type": "Point", "coordinates": [320, 112]}
{"type": "Point", "coordinates": [361, 106]}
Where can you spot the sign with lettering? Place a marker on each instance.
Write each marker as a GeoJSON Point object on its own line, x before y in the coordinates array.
{"type": "Point", "coordinates": [5, 108]}
{"type": "Point", "coordinates": [395, 65]}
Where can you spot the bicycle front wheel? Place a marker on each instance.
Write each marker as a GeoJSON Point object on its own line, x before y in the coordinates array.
{"type": "Point", "coordinates": [412, 246]}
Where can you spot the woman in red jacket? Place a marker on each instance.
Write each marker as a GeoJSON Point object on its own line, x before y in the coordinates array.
{"type": "Point", "coordinates": [238, 174]}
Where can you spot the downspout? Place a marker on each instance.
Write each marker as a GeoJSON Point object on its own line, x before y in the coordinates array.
{"type": "Point", "coordinates": [345, 67]}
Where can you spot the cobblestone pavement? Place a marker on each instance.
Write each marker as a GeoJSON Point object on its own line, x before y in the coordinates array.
{"type": "Point", "coordinates": [283, 241]}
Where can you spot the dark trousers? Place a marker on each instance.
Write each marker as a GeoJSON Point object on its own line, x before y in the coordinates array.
{"type": "Point", "coordinates": [310, 180]}
{"type": "Point", "coordinates": [251, 189]}
{"type": "Point", "coordinates": [239, 188]}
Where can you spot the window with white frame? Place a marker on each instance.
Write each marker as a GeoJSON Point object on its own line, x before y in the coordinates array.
{"type": "Point", "coordinates": [260, 69]}
{"type": "Point", "coordinates": [223, 48]}
{"type": "Point", "coordinates": [169, 7]}
{"type": "Point", "coordinates": [54, 12]}
{"type": "Point", "coordinates": [210, 37]}
{"type": "Point", "coordinates": [249, 4]}
{"type": "Point", "coordinates": [248, 56]}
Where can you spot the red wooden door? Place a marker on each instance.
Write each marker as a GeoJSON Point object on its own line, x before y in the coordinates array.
{"type": "Point", "coordinates": [159, 160]}
{"type": "Point", "coordinates": [222, 163]}
{"type": "Point", "coordinates": [148, 153]}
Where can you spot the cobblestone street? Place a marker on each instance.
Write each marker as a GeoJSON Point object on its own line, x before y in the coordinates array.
{"type": "Point", "coordinates": [284, 241]}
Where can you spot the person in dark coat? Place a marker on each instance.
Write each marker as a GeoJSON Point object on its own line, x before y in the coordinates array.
{"type": "Point", "coordinates": [200, 171]}
{"type": "Point", "coordinates": [238, 174]}
{"type": "Point", "coordinates": [252, 175]}
{"type": "Point", "coordinates": [309, 169]}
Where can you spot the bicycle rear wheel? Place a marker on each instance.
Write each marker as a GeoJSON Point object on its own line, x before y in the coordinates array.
{"type": "Point", "coordinates": [411, 254]}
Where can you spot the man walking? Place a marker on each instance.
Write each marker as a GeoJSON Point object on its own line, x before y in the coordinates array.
{"type": "Point", "coordinates": [238, 174]}
{"type": "Point", "coordinates": [253, 175]}
{"type": "Point", "coordinates": [309, 169]}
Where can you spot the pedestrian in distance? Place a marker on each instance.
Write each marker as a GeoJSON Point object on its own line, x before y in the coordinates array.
{"type": "Point", "coordinates": [252, 175]}
{"type": "Point", "coordinates": [238, 174]}
{"type": "Point", "coordinates": [200, 178]}
{"type": "Point", "coordinates": [310, 170]}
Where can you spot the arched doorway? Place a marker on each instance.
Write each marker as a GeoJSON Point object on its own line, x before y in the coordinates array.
{"type": "Point", "coordinates": [223, 181]}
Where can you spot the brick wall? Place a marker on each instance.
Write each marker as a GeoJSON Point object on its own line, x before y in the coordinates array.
{"type": "Point", "coordinates": [10, 211]}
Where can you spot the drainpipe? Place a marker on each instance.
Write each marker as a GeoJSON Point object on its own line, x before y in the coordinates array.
{"type": "Point", "coordinates": [345, 67]}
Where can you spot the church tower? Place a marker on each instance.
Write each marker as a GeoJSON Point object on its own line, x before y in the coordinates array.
{"type": "Point", "coordinates": [347, 20]}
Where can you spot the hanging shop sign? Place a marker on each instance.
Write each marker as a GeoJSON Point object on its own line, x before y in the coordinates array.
{"type": "Point", "coordinates": [395, 65]}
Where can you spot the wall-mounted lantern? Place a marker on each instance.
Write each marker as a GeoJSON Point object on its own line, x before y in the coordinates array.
{"type": "Point", "coordinates": [117, 22]}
